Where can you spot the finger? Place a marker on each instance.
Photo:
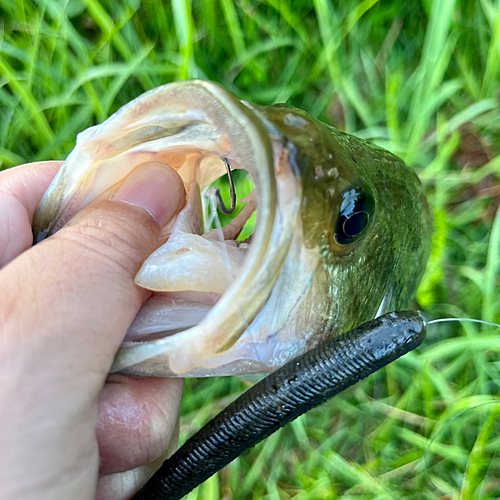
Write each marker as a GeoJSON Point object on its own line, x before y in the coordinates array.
{"type": "Point", "coordinates": [123, 485]}
{"type": "Point", "coordinates": [85, 273]}
{"type": "Point", "coordinates": [21, 189]}
{"type": "Point", "coordinates": [66, 305]}
{"type": "Point", "coordinates": [136, 421]}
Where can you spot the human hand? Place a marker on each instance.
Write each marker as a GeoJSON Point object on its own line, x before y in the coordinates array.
{"type": "Point", "coordinates": [66, 429]}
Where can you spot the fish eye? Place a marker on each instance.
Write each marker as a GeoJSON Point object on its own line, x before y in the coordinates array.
{"type": "Point", "coordinates": [356, 212]}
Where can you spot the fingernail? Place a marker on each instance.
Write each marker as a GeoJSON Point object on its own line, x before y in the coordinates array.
{"type": "Point", "coordinates": [155, 187]}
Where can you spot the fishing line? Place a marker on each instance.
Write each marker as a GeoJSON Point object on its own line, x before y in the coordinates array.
{"type": "Point", "coordinates": [215, 201]}
{"type": "Point", "coordinates": [214, 218]}
{"type": "Point", "coordinates": [470, 320]}
{"type": "Point", "coordinates": [444, 426]}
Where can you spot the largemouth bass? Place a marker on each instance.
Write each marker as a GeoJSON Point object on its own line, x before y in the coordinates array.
{"type": "Point", "coordinates": [342, 230]}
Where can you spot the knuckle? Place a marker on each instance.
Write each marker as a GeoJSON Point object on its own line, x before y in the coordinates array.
{"type": "Point", "coordinates": [111, 237]}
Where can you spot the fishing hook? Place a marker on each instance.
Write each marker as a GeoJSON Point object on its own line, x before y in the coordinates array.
{"type": "Point", "coordinates": [216, 192]}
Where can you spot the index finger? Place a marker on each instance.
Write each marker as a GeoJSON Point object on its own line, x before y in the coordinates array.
{"type": "Point", "coordinates": [21, 189]}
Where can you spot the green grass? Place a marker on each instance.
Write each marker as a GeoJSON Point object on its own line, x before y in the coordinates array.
{"type": "Point", "coordinates": [421, 79]}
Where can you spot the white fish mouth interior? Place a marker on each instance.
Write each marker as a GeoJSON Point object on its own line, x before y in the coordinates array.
{"type": "Point", "coordinates": [203, 256]}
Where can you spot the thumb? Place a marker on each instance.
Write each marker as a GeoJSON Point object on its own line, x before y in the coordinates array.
{"type": "Point", "coordinates": [72, 297]}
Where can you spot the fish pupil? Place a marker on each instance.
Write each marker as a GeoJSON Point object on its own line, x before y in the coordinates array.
{"type": "Point", "coordinates": [355, 224]}
{"type": "Point", "coordinates": [355, 214]}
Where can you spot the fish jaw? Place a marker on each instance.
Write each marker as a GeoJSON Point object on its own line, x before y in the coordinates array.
{"type": "Point", "coordinates": [187, 124]}
{"type": "Point", "coordinates": [270, 338]}
{"type": "Point", "coordinates": [290, 321]}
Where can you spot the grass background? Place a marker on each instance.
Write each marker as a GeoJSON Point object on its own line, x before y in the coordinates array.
{"type": "Point", "coordinates": [419, 78]}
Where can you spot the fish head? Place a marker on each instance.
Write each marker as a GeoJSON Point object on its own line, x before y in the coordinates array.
{"type": "Point", "coordinates": [364, 211]}
{"type": "Point", "coordinates": [341, 230]}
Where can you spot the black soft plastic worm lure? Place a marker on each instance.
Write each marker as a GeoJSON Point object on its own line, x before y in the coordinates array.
{"type": "Point", "coordinates": [294, 389]}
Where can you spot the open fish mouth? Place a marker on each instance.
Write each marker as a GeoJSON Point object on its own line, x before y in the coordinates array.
{"type": "Point", "coordinates": [342, 230]}
{"type": "Point", "coordinates": [209, 287]}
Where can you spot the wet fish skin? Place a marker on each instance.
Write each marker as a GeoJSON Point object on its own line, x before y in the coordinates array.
{"type": "Point", "coordinates": [387, 263]}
